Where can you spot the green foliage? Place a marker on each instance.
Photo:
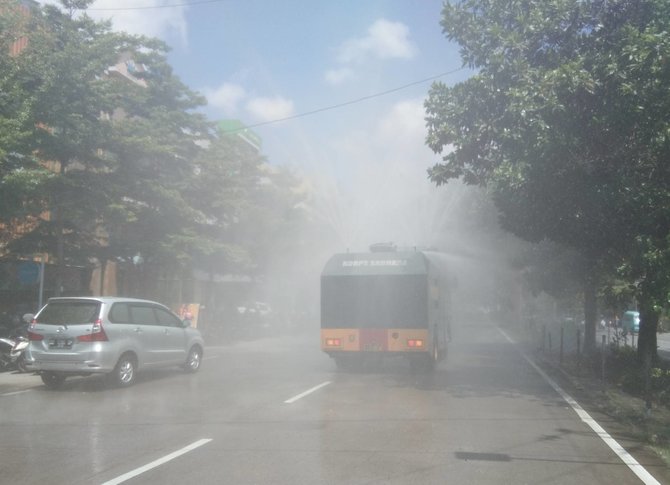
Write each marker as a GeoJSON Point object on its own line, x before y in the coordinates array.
{"type": "Point", "coordinates": [16, 104]}
{"type": "Point", "coordinates": [624, 370]}
{"type": "Point", "coordinates": [565, 121]}
{"type": "Point", "coordinates": [121, 147]}
{"type": "Point", "coordinates": [546, 121]}
{"type": "Point", "coordinates": [100, 164]}
{"type": "Point", "coordinates": [553, 269]}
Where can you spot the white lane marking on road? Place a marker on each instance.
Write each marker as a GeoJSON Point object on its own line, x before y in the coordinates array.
{"type": "Point", "coordinates": [15, 393]}
{"type": "Point", "coordinates": [307, 392]}
{"type": "Point", "coordinates": [154, 464]}
{"type": "Point", "coordinates": [626, 457]}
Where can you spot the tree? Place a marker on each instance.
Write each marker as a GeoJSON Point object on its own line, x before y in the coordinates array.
{"type": "Point", "coordinates": [156, 138]}
{"type": "Point", "coordinates": [564, 121]}
{"type": "Point", "coordinates": [222, 188]}
{"type": "Point", "coordinates": [119, 147]}
{"type": "Point", "coordinates": [64, 61]}
{"type": "Point", "coordinates": [20, 174]}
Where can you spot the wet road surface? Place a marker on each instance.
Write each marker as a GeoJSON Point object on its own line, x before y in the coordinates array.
{"type": "Point", "coordinates": [275, 410]}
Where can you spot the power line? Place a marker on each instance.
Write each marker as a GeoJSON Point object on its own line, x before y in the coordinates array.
{"type": "Point", "coordinates": [347, 103]}
{"type": "Point", "coordinates": [150, 7]}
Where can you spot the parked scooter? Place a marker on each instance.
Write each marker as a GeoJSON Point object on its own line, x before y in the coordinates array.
{"type": "Point", "coordinates": [11, 353]}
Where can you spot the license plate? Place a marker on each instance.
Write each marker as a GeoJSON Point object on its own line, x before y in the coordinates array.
{"type": "Point", "coordinates": [60, 343]}
{"type": "Point", "coordinates": [372, 347]}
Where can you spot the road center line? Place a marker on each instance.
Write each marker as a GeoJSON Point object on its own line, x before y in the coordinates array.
{"type": "Point", "coordinates": [620, 451]}
{"type": "Point", "coordinates": [155, 463]}
{"type": "Point", "coordinates": [307, 392]}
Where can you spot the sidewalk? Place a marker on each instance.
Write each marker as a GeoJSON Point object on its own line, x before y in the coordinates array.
{"type": "Point", "coordinates": [13, 381]}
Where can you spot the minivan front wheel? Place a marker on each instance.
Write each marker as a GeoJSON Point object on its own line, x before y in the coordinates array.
{"type": "Point", "coordinates": [52, 380]}
{"type": "Point", "coordinates": [125, 371]}
{"type": "Point", "coordinates": [193, 360]}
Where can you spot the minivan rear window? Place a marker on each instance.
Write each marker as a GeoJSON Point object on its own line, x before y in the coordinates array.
{"type": "Point", "coordinates": [69, 312]}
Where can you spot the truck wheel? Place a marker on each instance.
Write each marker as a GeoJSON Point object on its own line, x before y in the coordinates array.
{"type": "Point", "coordinates": [347, 363]}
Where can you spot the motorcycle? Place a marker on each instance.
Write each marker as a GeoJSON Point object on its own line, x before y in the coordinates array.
{"type": "Point", "coordinates": [11, 353]}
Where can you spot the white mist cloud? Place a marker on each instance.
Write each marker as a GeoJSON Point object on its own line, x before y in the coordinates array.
{"type": "Point", "coordinates": [384, 40]}
{"type": "Point", "coordinates": [226, 97]}
{"type": "Point", "coordinates": [402, 132]}
{"type": "Point", "coordinates": [338, 76]}
{"type": "Point", "coordinates": [163, 23]}
{"type": "Point", "coordinates": [385, 194]}
{"type": "Point", "coordinates": [269, 109]}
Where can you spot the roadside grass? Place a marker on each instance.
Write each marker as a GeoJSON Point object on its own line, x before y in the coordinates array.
{"type": "Point", "coordinates": [622, 394]}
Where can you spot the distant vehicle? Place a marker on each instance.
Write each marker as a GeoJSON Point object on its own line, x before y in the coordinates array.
{"type": "Point", "coordinates": [630, 322]}
{"type": "Point", "coordinates": [385, 303]}
{"type": "Point", "coordinates": [105, 335]}
{"type": "Point", "coordinates": [254, 310]}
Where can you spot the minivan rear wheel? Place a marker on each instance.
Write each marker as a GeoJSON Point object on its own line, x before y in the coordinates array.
{"type": "Point", "coordinates": [52, 380]}
{"type": "Point", "coordinates": [125, 371]}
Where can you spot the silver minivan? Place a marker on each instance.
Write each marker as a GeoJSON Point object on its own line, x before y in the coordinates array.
{"type": "Point", "coordinates": [108, 335]}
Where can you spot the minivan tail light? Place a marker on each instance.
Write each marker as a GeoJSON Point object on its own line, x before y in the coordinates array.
{"type": "Point", "coordinates": [97, 334]}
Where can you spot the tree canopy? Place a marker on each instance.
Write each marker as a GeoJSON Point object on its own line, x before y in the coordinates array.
{"type": "Point", "coordinates": [105, 157]}
{"type": "Point", "coordinates": [565, 121]}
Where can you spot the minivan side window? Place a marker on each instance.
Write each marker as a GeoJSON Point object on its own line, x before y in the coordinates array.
{"type": "Point", "coordinates": [166, 318]}
{"type": "Point", "coordinates": [119, 313]}
{"type": "Point", "coordinates": [142, 315]}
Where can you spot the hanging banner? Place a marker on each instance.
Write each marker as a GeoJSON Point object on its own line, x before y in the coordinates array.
{"type": "Point", "coordinates": [189, 312]}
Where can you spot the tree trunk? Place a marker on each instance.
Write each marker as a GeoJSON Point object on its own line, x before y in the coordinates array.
{"type": "Point", "coordinates": [57, 210]}
{"type": "Point", "coordinates": [590, 309]}
{"type": "Point", "coordinates": [647, 352]}
{"type": "Point", "coordinates": [60, 249]}
{"type": "Point", "coordinates": [647, 344]}
{"type": "Point", "coordinates": [103, 274]}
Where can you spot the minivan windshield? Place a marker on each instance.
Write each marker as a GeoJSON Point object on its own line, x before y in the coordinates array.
{"type": "Point", "coordinates": [69, 312]}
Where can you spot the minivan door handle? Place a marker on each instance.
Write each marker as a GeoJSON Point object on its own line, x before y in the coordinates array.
{"type": "Point", "coordinates": [167, 331]}
{"type": "Point", "coordinates": [137, 330]}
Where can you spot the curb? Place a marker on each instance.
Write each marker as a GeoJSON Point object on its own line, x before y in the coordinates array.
{"type": "Point", "coordinates": [12, 381]}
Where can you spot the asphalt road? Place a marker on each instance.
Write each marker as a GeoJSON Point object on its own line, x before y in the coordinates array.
{"type": "Point", "coordinates": [275, 411]}
{"type": "Point", "coordinates": [663, 341]}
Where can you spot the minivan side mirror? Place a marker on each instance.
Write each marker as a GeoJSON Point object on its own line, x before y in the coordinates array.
{"type": "Point", "coordinates": [186, 322]}
{"type": "Point", "coordinates": [28, 318]}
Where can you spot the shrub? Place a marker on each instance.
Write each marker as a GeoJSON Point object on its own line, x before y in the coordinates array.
{"type": "Point", "coordinates": [624, 370]}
